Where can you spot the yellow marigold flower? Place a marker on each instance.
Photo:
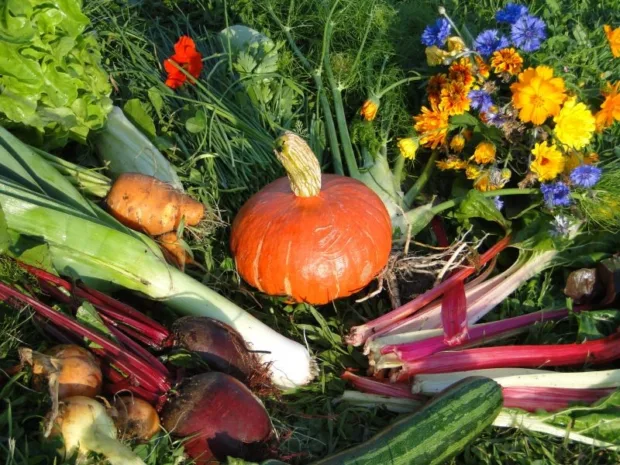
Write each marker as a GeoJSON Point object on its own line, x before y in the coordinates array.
{"type": "Point", "coordinates": [454, 100]}
{"type": "Point", "coordinates": [432, 125]}
{"type": "Point", "coordinates": [451, 163]}
{"type": "Point", "coordinates": [408, 147]}
{"type": "Point", "coordinates": [472, 171]}
{"type": "Point", "coordinates": [461, 70]}
{"type": "Point", "coordinates": [457, 143]}
{"type": "Point", "coordinates": [435, 56]}
{"type": "Point", "coordinates": [483, 68]}
{"type": "Point", "coordinates": [482, 182]}
{"type": "Point", "coordinates": [507, 60]}
{"type": "Point", "coordinates": [548, 161]}
{"type": "Point", "coordinates": [591, 158]}
{"type": "Point", "coordinates": [455, 45]}
{"type": "Point", "coordinates": [434, 86]}
{"type": "Point", "coordinates": [574, 125]}
{"type": "Point", "coordinates": [484, 153]}
{"type": "Point", "coordinates": [369, 109]}
{"type": "Point", "coordinates": [610, 108]}
{"type": "Point", "coordinates": [538, 94]}
{"type": "Point", "coordinates": [613, 36]}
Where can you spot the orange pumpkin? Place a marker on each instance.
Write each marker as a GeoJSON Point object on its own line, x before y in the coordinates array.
{"type": "Point", "coordinates": [311, 237]}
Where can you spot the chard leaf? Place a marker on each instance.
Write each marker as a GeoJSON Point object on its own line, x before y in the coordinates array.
{"type": "Point", "coordinates": [88, 315]}
{"type": "Point", "coordinates": [477, 205]}
{"type": "Point", "coordinates": [597, 324]}
{"type": "Point", "coordinates": [5, 240]}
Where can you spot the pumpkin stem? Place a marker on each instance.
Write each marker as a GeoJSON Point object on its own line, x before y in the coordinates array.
{"type": "Point", "coordinates": [300, 163]}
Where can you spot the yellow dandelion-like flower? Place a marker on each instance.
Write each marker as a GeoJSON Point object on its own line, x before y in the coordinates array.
{"type": "Point", "coordinates": [482, 182]}
{"type": "Point", "coordinates": [451, 163]}
{"type": "Point", "coordinates": [473, 171]}
{"type": "Point", "coordinates": [610, 108]}
{"type": "Point", "coordinates": [408, 147]}
{"type": "Point", "coordinates": [574, 125]}
{"type": "Point", "coordinates": [461, 70]}
{"type": "Point", "coordinates": [484, 153]}
{"type": "Point", "coordinates": [455, 45]}
{"type": "Point", "coordinates": [483, 68]}
{"type": "Point", "coordinates": [457, 143]}
{"type": "Point", "coordinates": [613, 37]}
{"type": "Point", "coordinates": [454, 100]}
{"type": "Point", "coordinates": [435, 56]}
{"type": "Point", "coordinates": [548, 161]}
{"type": "Point", "coordinates": [369, 109]}
{"type": "Point", "coordinates": [538, 94]}
{"type": "Point", "coordinates": [507, 60]}
{"type": "Point", "coordinates": [432, 126]}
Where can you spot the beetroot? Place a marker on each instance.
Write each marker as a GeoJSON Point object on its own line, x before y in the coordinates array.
{"type": "Point", "coordinates": [223, 349]}
{"type": "Point", "coordinates": [221, 417]}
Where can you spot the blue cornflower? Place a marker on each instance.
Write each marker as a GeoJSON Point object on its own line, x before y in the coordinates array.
{"type": "Point", "coordinates": [585, 176]}
{"type": "Point", "coordinates": [499, 203]}
{"type": "Point", "coordinates": [480, 100]}
{"type": "Point", "coordinates": [561, 225]}
{"type": "Point", "coordinates": [511, 13]}
{"type": "Point", "coordinates": [495, 119]}
{"type": "Point", "coordinates": [436, 34]}
{"type": "Point", "coordinates": [528, 33]}
{"type": "Point", "coordinates": [556, 195]}
{"type": "Point", "coordinates": [490, 41]}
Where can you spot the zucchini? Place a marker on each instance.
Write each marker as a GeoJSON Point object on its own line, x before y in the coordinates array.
{"type": "Point", "coordinates": [433, 434]}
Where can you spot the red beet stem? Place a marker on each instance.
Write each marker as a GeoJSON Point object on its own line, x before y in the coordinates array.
{"type": "Point", "coordinates": [524, 356]}
{"type": "Point", "coordinates": [149, 331]}
{"type": "Point", "coordinates": [125, 360]}
{"type": "Point", "coordinates": [372, 386]}
{"type": "Point", "coordinates": [118, 382]}
{"type": "Point", "coordinates": [440, 231]}
{"type": "Point", "coordinates": [360, 334]}
{"type": "Point", "coordinates": [411, 351]}
{"type": "Point", "coordinates": [549, 399]}
{"type": "Point", "coordinates": [454, 314]}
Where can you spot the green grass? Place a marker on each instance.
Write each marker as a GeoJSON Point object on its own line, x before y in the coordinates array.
{"type": "Point", "coordinates": [222, 164]}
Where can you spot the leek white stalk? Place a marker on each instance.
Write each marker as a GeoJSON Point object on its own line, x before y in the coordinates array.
{"type": "Point", "coordinates": [82, 240]}
{"type": "Point", "coordinates": [520, 377]}
{"type": "Point", "coordinates": [125, 149]}
{"type": "Point", "coordinates": [510, 419]}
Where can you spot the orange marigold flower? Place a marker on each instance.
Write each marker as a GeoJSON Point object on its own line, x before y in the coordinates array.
{"type": "Point", "coordinates": [369, 109]}
{"type": "Point", "coordinates": [610, 108]}
{"type": "Point", "coordinates": [507, 60]}
{"type": "Point", "coordinates": [434, 86]}
{"type": "Point", "coordinates": [451, 163]}
{"type": "Point", "coordinates": [483, 68]}
{"type": "Point", "coordinates": [538, 94]}
{"type": "Point", "coordinates": [462, 71]}
{"type": "Point", "coordinates": [432, 125]}
{"type": "Point", "coordinates": [457, 143]}
{"type": "Point", "coordinates": [186, 57]}
{"type": "Point", "coordinates": [613, 36]}
{"type": "Point", "coordinates": [454, 100]}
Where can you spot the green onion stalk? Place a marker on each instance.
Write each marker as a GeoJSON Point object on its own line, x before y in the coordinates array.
{"type": "Point", "coordinates": [47, 223]}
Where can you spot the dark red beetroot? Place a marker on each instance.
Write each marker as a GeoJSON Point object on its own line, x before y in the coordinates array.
{"type": "Point", "coordinates": [222, 348]}
{"type": "Point", "coordinates": [222, 417]}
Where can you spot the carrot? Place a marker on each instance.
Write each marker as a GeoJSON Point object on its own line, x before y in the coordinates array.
{"type": "Point", "coordinates": [173, 250]}
{"type": "Point", "coordinates": [147, 204]}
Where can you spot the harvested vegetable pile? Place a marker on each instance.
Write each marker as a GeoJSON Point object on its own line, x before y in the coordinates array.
{"type": "Point", "coordinates": [342, 232]}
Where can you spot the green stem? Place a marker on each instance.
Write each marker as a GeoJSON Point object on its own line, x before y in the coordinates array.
{"type": "Point", "coordinates": [341, 120]}
{"type": "Point", "coordinates": [399, 83]}
{"type": "Point", "coordinates": [422, 180]}
{"type": "Point", "coordinates": [399, 165]}
{"type": "Point", "coordinates": [316, 75]}
{"type": "Point", "coordinates": [501, 192]}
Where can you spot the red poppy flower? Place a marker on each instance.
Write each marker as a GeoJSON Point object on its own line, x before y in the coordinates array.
{"type": "Point", "coordinates": [185, 56]}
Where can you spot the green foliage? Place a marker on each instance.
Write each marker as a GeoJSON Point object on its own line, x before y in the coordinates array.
{"type": "Point", "coordinates": [50, 73]}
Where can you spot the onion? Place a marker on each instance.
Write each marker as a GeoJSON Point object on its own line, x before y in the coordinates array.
{"type": "Point", "coordinates": [135, 418]}
{"type": "Point", "coordinates": [221, 416]}
{"type": "Point", "coordinates": [223, 349]}
{"type": "Point", "coordinates": [86, 427]}
{"type": "Point", "coordinates": [69, 369]}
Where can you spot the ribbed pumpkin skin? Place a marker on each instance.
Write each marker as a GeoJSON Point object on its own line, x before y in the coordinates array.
{"type": "Point", "coordinates": [313, 249]}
